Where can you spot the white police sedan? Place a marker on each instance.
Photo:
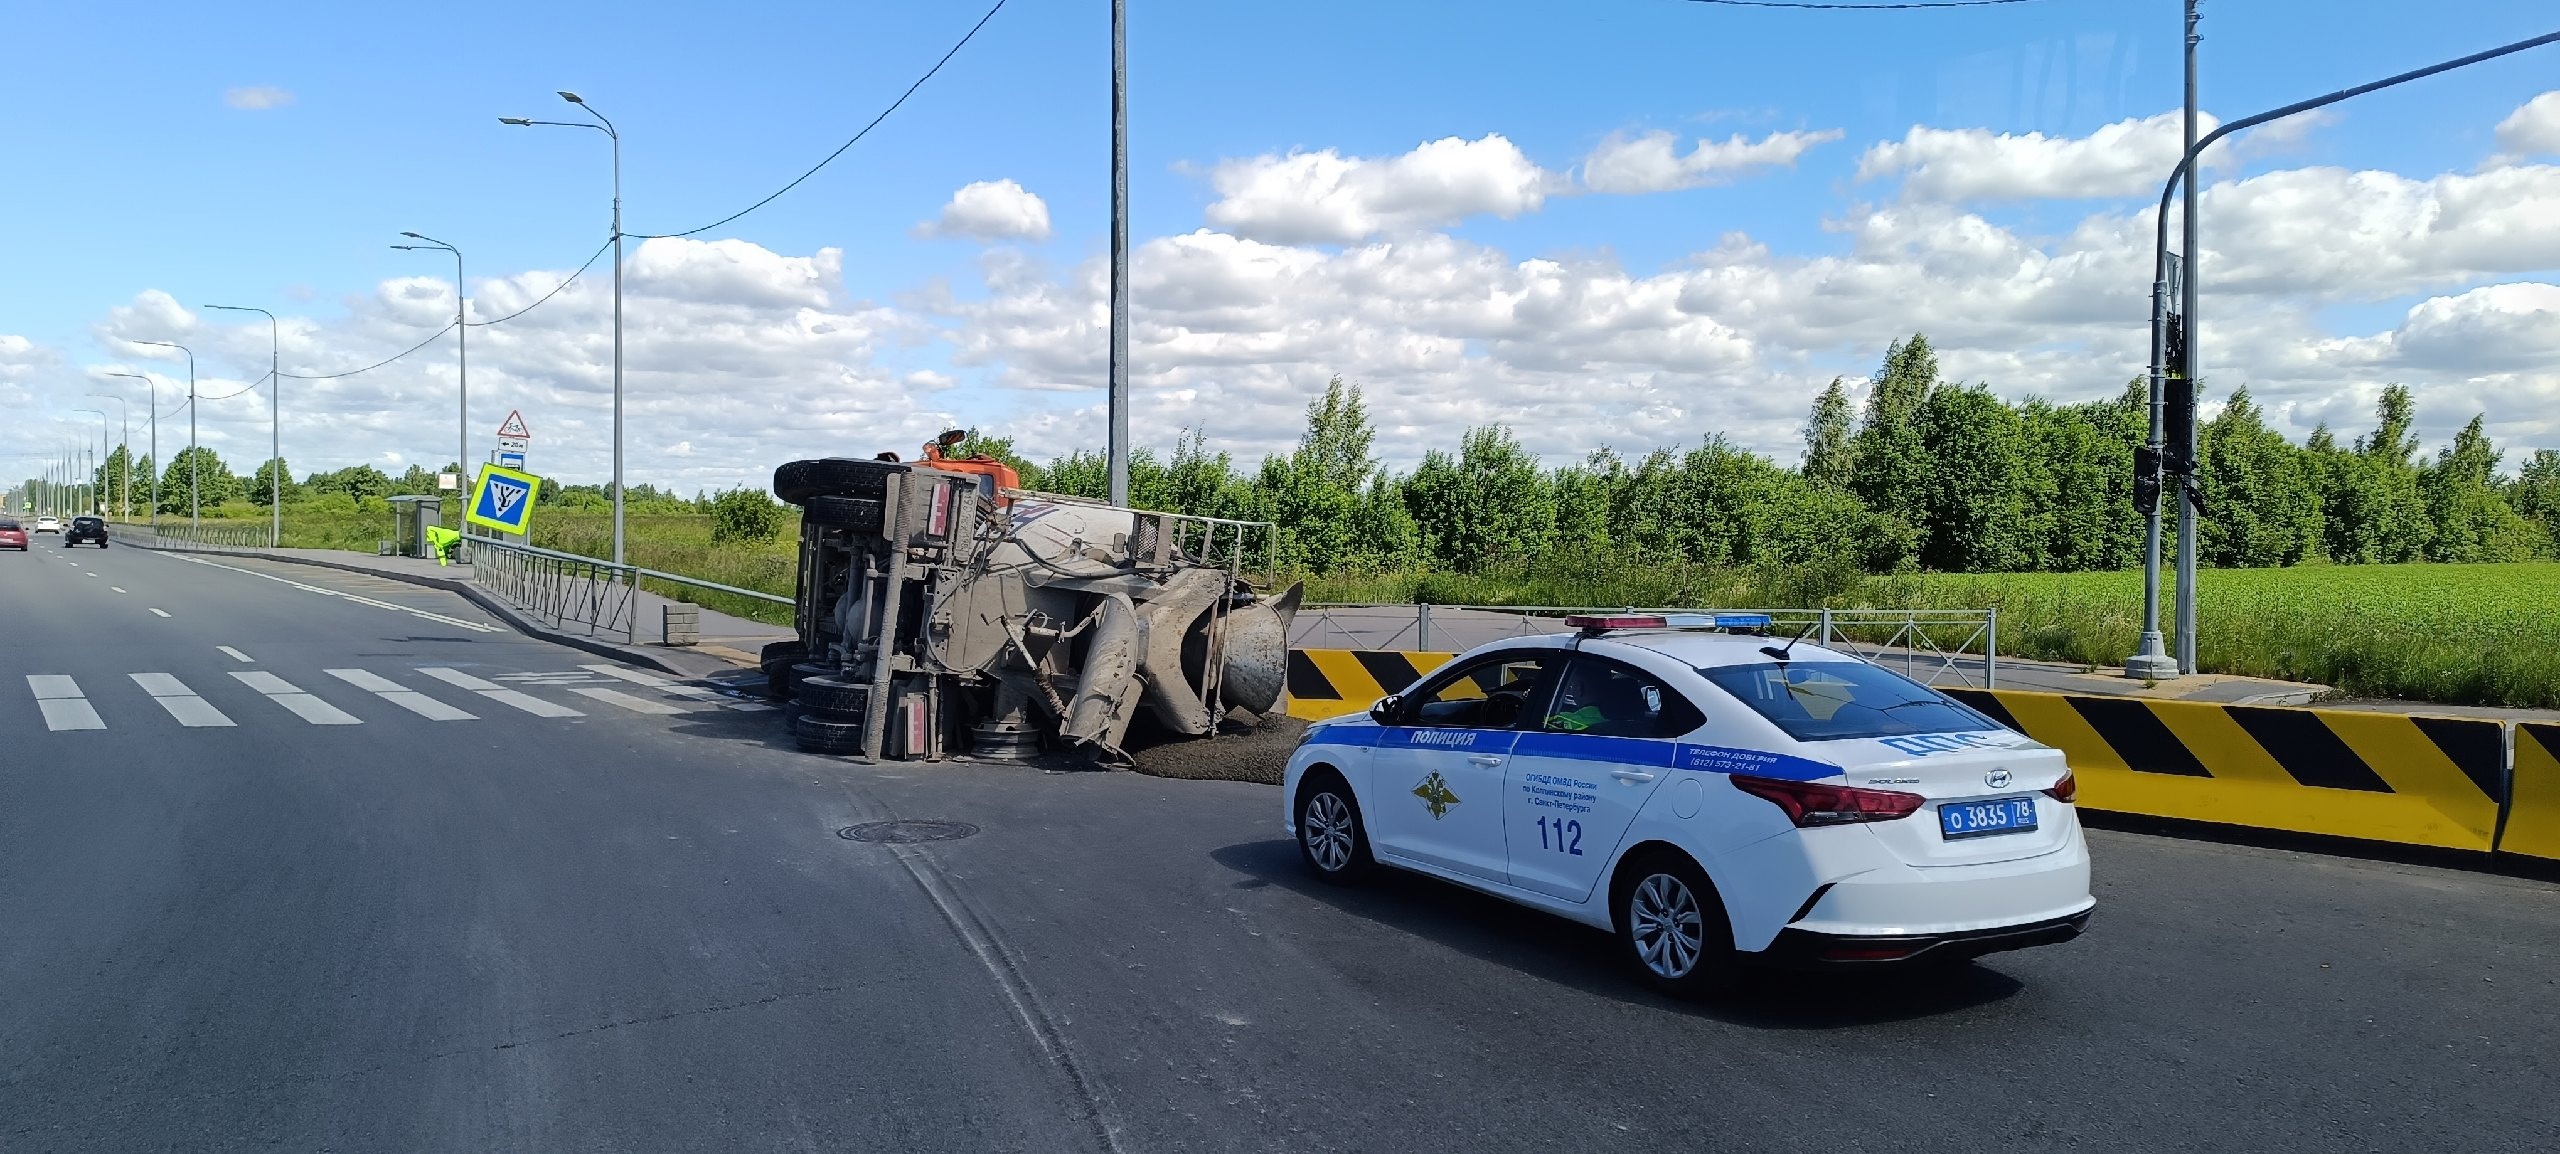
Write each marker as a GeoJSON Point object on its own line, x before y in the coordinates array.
{"type": "Point", "coordinates": [1714, 797]}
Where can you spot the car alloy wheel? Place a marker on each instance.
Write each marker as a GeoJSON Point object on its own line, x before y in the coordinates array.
{"type": "Point", "coordinates": [1329, 832]}
{"type": "Point", "coordinates": [1669, 931]}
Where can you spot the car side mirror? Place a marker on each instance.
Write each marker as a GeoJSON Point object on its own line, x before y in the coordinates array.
{"type": "Point", "coordinates": [1384, 710]}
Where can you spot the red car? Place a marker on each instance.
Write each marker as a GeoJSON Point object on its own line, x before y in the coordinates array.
{"type": "Point", "coordinates": [12, 535]}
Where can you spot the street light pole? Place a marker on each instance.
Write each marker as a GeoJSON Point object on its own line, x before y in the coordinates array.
{"type": "Point", "coordinates": [153, 411]}
{"type": "Point", "coordinates": [91, 505]}
{"type": "Point", "coordinates": [2186, 622]}
{"type": "Point", "coordinates": [124, 442]}
{"type": "Point", "coordinates": [275, 424]}
{"type": "Point", "coordinates": [606, 127]}
{"type": "Point", "coordinates": [461, 362]}
{"type": "Point", "coordinates": [195, 486]}
{"type": "Point", "coordinates": [2159, 282]}
{"type": "Point", "coordinates": [1117, 403]}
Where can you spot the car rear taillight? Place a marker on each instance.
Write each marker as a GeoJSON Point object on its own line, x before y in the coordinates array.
{"type": "Point", "coordinates": [1808, 804]}
{"type": "Point", "coordinates": [2066, 790]}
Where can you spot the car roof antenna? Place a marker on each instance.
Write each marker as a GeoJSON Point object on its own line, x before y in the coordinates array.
{"type": "Point", "coordinates": [1781, 654]}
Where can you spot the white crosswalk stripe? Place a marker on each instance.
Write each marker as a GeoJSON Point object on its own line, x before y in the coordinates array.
{"type": "Point", "coordinates": [393, 692]}
{"type": "Point", "coordinates": [291, 696]}
{"type": "Point", "coordinates": [680, 689]}
{"type": "Point", "coordinates": [498, 693]}
{"type": "Point", "coordinates": [625, 700]}
{"type": "Point", "coordinates": [182, 703]}
{"type": "Point", "coordinates": [63, 705]}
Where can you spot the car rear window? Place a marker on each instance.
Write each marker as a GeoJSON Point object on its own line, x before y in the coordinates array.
{"type": "Point", "coordinates": [1830, 700]}
{"type": "Point", "coordinates": [7, 524]}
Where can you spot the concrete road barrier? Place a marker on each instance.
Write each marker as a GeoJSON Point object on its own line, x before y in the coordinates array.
{"type": "Point", "coordinates": [2533, 800]}
{"type": "Point", "coordinates": [2429, 781]}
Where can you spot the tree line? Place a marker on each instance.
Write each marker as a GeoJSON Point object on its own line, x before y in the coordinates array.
{"type": "Point", "coordinates": [199, 476]}
{"type": "Point", "coordinates": [1924, 474]}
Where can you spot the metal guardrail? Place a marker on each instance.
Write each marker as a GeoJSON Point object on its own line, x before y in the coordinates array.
{"type": "Point", "coordinates": [572, 589]}
{"type": "Point", "coordinates": [1926, 645]}
{"type": "Point", "coordinates": [198, 536]}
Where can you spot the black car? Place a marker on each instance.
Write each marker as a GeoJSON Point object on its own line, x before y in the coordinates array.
{"type": "Point", "coordinates": [85, 529]}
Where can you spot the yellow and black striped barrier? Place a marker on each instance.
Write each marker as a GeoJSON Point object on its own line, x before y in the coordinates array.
{"type": "Point", "coordinates": [2533, 798]}
{"type": "Point", "coordinates": [2430, 781]}
{"type": "Point", "coordinates": [1327, 683]}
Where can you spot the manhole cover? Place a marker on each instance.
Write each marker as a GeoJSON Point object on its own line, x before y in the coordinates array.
{"type": "Point", "coordinates": [907, 832]}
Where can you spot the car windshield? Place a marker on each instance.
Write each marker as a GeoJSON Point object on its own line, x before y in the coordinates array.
{"type": "Point", "coordinates": [1830, 700]}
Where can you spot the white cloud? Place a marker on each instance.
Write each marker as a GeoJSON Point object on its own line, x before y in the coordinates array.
{"type": "Point", "coordinates": [257, 98]}
{"type": "Point", "coordinates": [991, 210]}
{"type": "Point", "coordinates": [1652, 163]}
{"type": "Point", "coordinates": [2533, 128]}
{"type": "Point", "coordinates": [2126, 158]}
{"type": "Point", "coordinates": [1326, 197]}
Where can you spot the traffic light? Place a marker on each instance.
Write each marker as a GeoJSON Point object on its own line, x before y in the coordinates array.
{"type": "Point", "coordinates": [2178, 400]}
{"type": "Point", "coordinates": [2146, 480]}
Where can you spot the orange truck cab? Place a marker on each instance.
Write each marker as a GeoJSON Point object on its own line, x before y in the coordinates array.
{"type": "Point", "coordinates": [995, 477]}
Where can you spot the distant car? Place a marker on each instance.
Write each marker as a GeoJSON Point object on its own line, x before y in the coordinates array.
{"type": "Point", "coordinates": [48, 524]}
{"type": "Point", "coordinates": [12, 535]}
{"type": "Point", "coordinates": [86, 529]}
{"type": "Point", "coordinates": [1715, 798]}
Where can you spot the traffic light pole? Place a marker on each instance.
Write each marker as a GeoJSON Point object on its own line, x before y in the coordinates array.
{"type": "Point", "coordinates": [2151, 660]}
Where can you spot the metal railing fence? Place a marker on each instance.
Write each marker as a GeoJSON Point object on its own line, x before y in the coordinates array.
{"type": "Point", "coordinates": [570, 589]}
{"type": "Point", "coordinates": [1931, 646]}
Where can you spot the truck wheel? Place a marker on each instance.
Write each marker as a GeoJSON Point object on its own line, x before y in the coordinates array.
{"type": "Point", "coordinates": [831, 695]}
{"type": "Point", "coordinates": [817, 735]}
{"type": "Point", "coordinates": [860, 514]}
{"type": "Point", "coordinates": [797, 481]}
{"type": "Point", "coordinates": [776, 661]}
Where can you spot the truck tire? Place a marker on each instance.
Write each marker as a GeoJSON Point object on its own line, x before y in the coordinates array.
{"type": "Point", "coordinates": [776, 661]}
{"type": "Point", "coordinates": [833, 697]}
{"type": "Point", "coordinates": [797, 481]}
{"type": "Point", "coordinates": [818, 735]}
{"type": "Point", "coordinates": [860, 514]}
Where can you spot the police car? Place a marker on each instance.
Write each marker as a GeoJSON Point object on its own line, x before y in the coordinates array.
{"type": "Point", "coordinates": [1712, 795]}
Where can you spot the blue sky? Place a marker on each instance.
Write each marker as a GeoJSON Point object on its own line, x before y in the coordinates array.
{"type": "Point", "coordinates": [130, 169]}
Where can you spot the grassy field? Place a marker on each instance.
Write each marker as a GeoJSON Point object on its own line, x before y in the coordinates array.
{"type": "Point", "coordinates": [2462, 634]}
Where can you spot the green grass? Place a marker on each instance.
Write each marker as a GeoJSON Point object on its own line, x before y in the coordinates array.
{"type": "Point", "coordinates": [2458, 634]}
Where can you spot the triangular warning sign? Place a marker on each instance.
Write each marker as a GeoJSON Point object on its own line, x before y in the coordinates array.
{"type": "Point", "coordinates": [514, 426]}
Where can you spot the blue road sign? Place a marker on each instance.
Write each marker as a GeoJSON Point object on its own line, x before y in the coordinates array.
{"type": "Point", "coordinates": [504, 500]}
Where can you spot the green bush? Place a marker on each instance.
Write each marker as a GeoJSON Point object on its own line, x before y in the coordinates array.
{"type": "Point", "coordinates": [739, 515]}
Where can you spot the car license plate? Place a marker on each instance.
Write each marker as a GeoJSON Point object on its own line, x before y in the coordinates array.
{"type": "Point", "coordinates": [1984, 818]}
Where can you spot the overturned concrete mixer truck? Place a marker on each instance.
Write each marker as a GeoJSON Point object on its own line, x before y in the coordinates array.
{"type": "Point", "coordinates": [943, 610]}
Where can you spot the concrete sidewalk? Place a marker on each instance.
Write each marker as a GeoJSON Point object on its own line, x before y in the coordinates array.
{"type": "Point", "coordinates": [727, 642]}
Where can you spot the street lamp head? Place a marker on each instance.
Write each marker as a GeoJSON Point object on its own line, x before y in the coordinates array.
{"type": "Point", "coordinates": [516, 120]}
{"type": "Point", "coordinates": [413, 236]}
{"type": "Point", "coordinates": [571, 97]}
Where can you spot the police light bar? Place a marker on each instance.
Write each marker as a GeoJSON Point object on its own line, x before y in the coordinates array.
{"type": "Point", "coordinates": [1718, 620]}
{"type": "Point", "coordinates": [1599, 624]}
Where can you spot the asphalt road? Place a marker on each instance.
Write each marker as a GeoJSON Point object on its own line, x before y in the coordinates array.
{"type": "Point", "coordinates": [640, 931]}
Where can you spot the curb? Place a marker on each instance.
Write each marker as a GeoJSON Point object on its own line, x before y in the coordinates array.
{"type": "Point", "coordinates": [509, 614]}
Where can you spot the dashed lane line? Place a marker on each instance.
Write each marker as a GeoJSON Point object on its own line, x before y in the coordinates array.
{"type": "Point", "coordinates": [182, 703]}
{"type": "Point", "coordinates": [393, 692]}
{"type": "Point", "coordinates": [116, 588]}
{"type": "Point", "coordinates": [498, 693]}
{"type": "Point", "coordinates": [291, 696]}
{"type": "Point", "coordinates": [63, 705]}
{"type": "Point", "coordinates": [160, 612]}
{"type": "Point", "coordinates": [439, 618]}
{"type": "Point", "coordinates": [235, 655]}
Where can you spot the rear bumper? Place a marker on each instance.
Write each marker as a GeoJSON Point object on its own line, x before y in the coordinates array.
{"type": "Point", "coordinates": [1809, 949]}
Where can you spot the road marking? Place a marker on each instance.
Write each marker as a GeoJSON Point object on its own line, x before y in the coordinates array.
{"type": "Point", "coordinates": [391, 691]}
{"type": "Point", "coordinates": [161, 612]}
{"type": "Point", "coordinates": [182, 703]}
{"type": "Point", "coordinates": [625, 700]}
{"type": "Point", "coordinates": [566, 677]}
{"type": "Point", "coordinates": [64, 708]}
{"type": "Point", "coordinates": [235, 654]}
{"type": "Point", "coordinates": [117, 588]}
{"type": "Point", "coordinates": [291, 696]}
{"type": "Point", "coordinates": [439, 618]}
{"type": "Point", "coordinates": [498, 693]}
{"type": "Point", "coordinates": [654, 681]}
{"type": "Point", "coordinates": [91, 574]}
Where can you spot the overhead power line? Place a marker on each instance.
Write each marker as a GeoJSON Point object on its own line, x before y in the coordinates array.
{"type": "Point", "coordinates": [555, 289]}
{"type": "Point", "coordinates": [840, 149]}
{"type": "Point", "coordinates": [431, 339]}
{"type": "Point", "coordinates": [1862, 7]}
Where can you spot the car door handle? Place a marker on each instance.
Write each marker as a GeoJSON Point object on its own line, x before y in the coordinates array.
{"type": "Point", "coordinates": [1486, 760]}
{"type": "Point", "coordinates": [1631, 776]}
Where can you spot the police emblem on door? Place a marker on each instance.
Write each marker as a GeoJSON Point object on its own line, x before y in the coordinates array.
{"type": "Point", "coordinates": [1435, 796]}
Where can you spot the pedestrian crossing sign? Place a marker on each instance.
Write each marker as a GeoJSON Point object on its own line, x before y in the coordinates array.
{"type": "Point", "coordinates": [504, 499]}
